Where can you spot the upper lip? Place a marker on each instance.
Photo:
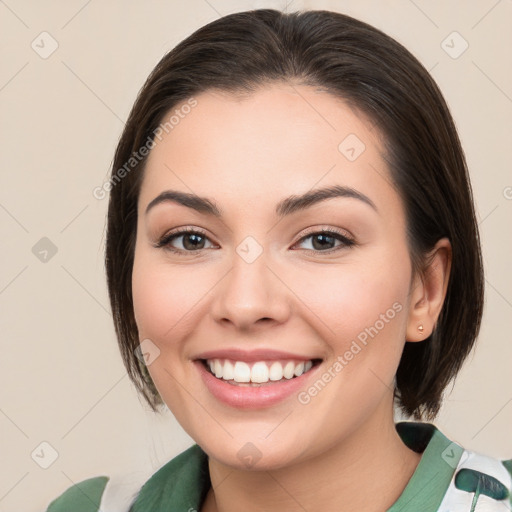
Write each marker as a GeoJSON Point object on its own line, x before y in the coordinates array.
{"type": "Point", "coordinates": [237, 354]}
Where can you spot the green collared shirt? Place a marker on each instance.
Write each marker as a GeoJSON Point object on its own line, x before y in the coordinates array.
{"type": "Point", "coordinates": [447, 479]}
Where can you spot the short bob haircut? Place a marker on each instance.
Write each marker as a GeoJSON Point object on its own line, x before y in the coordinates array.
{"type": "Point", "coordinates": [378, 77]}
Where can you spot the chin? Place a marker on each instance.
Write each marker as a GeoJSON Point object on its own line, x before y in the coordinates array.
{"type": "Point", "coordinates": [252, 455]}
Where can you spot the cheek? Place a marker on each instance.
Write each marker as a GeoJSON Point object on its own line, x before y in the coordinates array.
{"type": "Point", "coordinates": [163, 298]}
{"type": "Point", "coordinates": [348, 301]}
{"type": "Point", "coordinates": [360, 312]}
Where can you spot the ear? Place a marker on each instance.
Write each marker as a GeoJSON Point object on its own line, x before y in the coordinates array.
{"type": "Point", "coordinates": [428, 291]}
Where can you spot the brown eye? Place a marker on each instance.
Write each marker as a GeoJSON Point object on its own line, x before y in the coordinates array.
{"type": "Point", "coordinates": [325, 241]}
{"type": "Point", "coordinates": [191, 240]}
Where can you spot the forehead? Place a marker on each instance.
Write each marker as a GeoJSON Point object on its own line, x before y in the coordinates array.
{"type": "Point", "coordinates": [280, 140]}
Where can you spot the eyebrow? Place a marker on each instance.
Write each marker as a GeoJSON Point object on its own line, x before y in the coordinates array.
{"type": "Point", "coordinates": [285, 207]}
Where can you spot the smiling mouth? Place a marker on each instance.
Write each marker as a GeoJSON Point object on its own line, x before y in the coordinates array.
{"type": "Point", "coordinates": [258, 373]}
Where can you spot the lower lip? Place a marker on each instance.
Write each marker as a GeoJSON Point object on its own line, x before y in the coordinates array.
{"type": "Point", "coordinates": [252, 397]}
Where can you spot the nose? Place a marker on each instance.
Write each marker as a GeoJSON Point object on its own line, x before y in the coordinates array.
{"type": "Point", "coordinates": [251, 296]}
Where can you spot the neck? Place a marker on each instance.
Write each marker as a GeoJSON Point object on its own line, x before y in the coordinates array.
{"type": "Point", "coordinates": [367, 471]}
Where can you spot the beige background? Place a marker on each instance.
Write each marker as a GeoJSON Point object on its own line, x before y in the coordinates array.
{"type": "Point", "coordinates": [62, 381]}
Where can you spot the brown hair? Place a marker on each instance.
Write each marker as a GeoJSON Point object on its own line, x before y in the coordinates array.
{"type": "Point", "coordinates": [379, 77]}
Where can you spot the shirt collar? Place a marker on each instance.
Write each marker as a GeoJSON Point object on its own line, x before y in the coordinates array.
{"type": "Point", "coordinates": [428, 485]}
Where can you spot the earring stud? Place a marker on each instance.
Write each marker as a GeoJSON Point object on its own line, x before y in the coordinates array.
{"type": "Point", "coordinates": [420, 328]}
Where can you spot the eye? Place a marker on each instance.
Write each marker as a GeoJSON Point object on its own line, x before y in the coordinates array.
{"type": "Point", "coordinates": [324, 240]}
{"type": "Point", "coordinates": [191, 240]}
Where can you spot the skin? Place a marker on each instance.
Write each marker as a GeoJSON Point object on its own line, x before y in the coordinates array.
{"type": "Point", "coordinates": [340, 451]}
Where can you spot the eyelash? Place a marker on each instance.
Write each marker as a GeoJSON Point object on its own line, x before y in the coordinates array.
{"type": "Point", "coordinates": [347, 242]}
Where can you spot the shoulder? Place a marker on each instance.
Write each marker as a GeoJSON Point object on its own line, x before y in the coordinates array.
{"type": "Point", "coordinates": [82, 497]}
{"type": "Point", "coordinates": [480, 478]}
{"type": "Point", "coordinates": [183, 482]}
{"type": "Point", "coordinates": [120, 493]}
{"type": "Point", "coordinates": [456, 478]}
{"type": "Point", "coordinates": [508, 465]}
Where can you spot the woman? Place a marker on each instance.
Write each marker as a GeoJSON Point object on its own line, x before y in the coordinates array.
{"type": "Point", "coordinates": [291, 251]}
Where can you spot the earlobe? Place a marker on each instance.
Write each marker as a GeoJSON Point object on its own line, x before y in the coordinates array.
{"type": "Point", "coordinates": [428, 292]}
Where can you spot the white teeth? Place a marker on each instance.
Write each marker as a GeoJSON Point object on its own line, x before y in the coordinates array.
{"type": "Point", "coordinates": [276, 371]}
{"type": "Point", "coordinates": [242, 372]}
{"type": "Point", "coordinates": [228, 372]}
{"type": "Point", "coordinates": [260, 372]}
{"type": "Point", "coordinates": [218, 369]}
{"type": "Point", "coordinates": [299, 369]}
{"type": "Point", "coordinates": [289, 370]}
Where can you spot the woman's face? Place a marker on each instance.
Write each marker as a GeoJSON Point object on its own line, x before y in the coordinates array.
{"type": "Point", "coordinates": [262, 284]}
